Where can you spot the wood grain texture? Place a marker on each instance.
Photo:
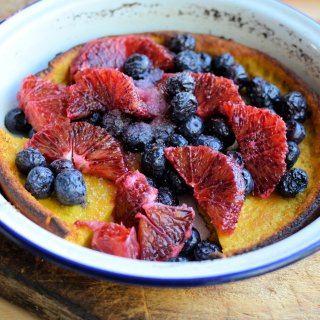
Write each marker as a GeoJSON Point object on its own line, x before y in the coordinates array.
{"type": "Point", "coordinates": [51, 292]}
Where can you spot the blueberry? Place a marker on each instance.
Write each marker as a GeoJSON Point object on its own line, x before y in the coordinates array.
{"type": "Point", "coordinates": [205, 61]}
{"type": "Point", "coordinates": [295, 131]}
{"type": "Point", "coordinates": [210, 141]}
{"type": "Point", "coordinates": [178, 259]}
{"type": "Point", "coordinates": [70, 187]}
{"type": "Point", "coordinates": [222, 62]}
{"type": "Point", "coordinates": [180, 82]}
{"type": "Point", "coordinates": [182, 106]}
{"type": "Point", "coordinates": [181, 42]}
{"type": "Point", "coordinates": [187, 61]}
{"type": "Point", "coordinates": [192, 128]}
{"type": "Point", "coordinates": [292, 154]}
{"type": "Point", "coordinates": [235, 155]}
{"type": "Point", "coordinates": [137, 66]}
{"type": "Point", "coordinates": [173, 180]}
{"type": "Point", "coordinates": [205, 250]}
{"type": "Point", "coordinates": [248, 181]}
{"type": "Point", "coordinates": [262, 94]}
{"type": "Point", "coordinates": [162, 129]}
{"type": "Point", "coordinates": [190, 243]}
{"type": "Point", "coordinates": [294, 181]}
{"type": "Point", "coordinates": [28, 159]}
{"type": "Point", "coordinates": [237, 74]}
{"type": "Point", "coordinates": [39, 182]}
{"type": "Point", "coordinates": [15, 121]}
{"type": "Point", "coordinates": [31, 133]}
{"type": "Point", "coordinates": [167, 197]}
{"type": "Point", "coordinates": [219, 127]}
{"type": "Point", "coordinates": [177, 140]}
{"type": "Point", "coordinates": [58, 165]}
{"type": "Point", "coordinates": [95, 118]}
{"type": "Point", "coordinates": [137, 136]}
{"type": "Point", "coordinates": [151, 182]}
{"type": "Point", "coordinates": [293, 106]}
{"type": "Point", "coordinates": [114, 122]}
{"type": "Point", "coordinates": [153, 162]}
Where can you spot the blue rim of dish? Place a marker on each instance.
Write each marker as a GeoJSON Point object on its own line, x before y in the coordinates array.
{"type": "Point", "coordinates": [176, 283]}
{"type": "Point", "coordinates": [154, 282]}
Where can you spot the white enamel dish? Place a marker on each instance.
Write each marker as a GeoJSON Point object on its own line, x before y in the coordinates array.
{"type": "Point", "coordinates": [29, 39]}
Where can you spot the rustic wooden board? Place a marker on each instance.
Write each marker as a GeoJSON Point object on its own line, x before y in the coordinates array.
{"type": "Point", "coordinates": [51, 292]}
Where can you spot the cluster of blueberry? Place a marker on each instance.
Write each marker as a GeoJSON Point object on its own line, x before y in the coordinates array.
{"type": "Point", "coordinates": [196, 249]}
{"type": "Point", "coordinates": [60, 177]}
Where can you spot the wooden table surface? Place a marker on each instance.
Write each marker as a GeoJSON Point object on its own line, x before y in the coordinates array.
{"type": "Point", "coordinates": [289, 293]}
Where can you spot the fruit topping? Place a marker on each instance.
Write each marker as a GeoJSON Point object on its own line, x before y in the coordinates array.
{"type": "Point", "coordinates": [59, 165]}
{"type": "Point", "coordinates": [114, 122]}
{"type": "Point", "coordinates": [137, 66]}
{"type": "Point", "coordinates": [222, 62]}
{"type": "Point", "coordinates": [137, 136]}
{"type": "Point", "coordinates": [42, 101]}
{"type": "Point", "coordinates": [174, 182]}
{"type": "Point", "coordinates": [153, 161]}
{"type": "Point", "coordinates": [261, 135]}
{"type": "Point", "coordinates": [112, 52]}
{"type": "Point", "coordinates": [236, 156]}
{"type": "Point", "coordinates": [190, 243]}
{"type": "Point", "coordinates": [248, 181]}
{"type": "Point", "coordinates": [263, 94]}
{"type": "Point", "coordinates": [94, 118]}
{"type": "Point", "coordinates": [133, 191]}
{"type": "Point", "coordinates": [292, 154]}
{"type": "Point", "coordinates": [219, 127]}
{"type": "Point", "coordinates": [39, 182]}
{"type": "Point", "coordinates": [16, 122]}
{"type": "Point", "coordinates": [205, 61]}
{"type": "Point", "coordinates": [178, 259]}
{"type": "Point", "coordinates": [104, 89]}
{"type": "Point", "coordinates": [294, 181]}
{"type": "Point", "coordinates": [237, 74]}
{"type": "Point", "coordinates": [209, 141]}
{"type": "Point", "coordinates": [293, 106]}
{"type": "Point", "coordinates": [187, 61]}
{"type": "Point", "coordinates": [31, 133]}
{"type": "Point", "coordinates": [217, 180]}
{"type": "Point", "coordinates": [212, 91]}
{"type": "Point", "coordinates": [180, 82]}
{"type": "Point", "coordinates": [177, 140]}
{"type": "Point", "coordinates": [205, 250]}
{"type": "Point", "coordinates": [295, 131]}
{"type": "Point", "coordinates": [181, 42]}
{"type": "Point", "coordinates": [28, 159]}
{"type": "Point", "coordinates": [151, 182]}
{"type": "Point", "coordinates": [70, 187]}
{"type": "Point", "coordinates": [192, 127]}
{"type": "Point", "coordinates": [113, 238]}
{"type": "Point", "coordinates": [167, 196]}
{"type": "Point", "coordinates": [182, 106]}
{"type": "Point", "coordinates": [162, 129]}
{"type": "Point", "coordinates": [90, 147]}
{"type": "Point", "coordinates": [163, 230]}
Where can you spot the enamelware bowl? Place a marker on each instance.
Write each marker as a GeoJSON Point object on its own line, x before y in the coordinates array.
{"type": "Point", "coordinates": [30, 38]}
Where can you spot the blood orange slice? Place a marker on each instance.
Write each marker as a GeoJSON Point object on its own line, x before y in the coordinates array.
{"type": "Point", "coordinates": [112, 52]}
{"type": "Point", "coordinates": [212, 91]}
{"type": "Point", "coordinates": [163, 230]}
{"type": "Point", "coordinates": [113, 238]}
{"type": "Point", "coordinates": [90, 147]}
{"type": "Point", "coordinates": [133, 191]}
{"type": "Point", "coordinates": [217, 180]}
{"type": "Point", "coordinates": [102, 89]}
{"type": "Point", "coordinates": [42, 101]}
{"type": "Point", "coordinates": [261, 135]}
